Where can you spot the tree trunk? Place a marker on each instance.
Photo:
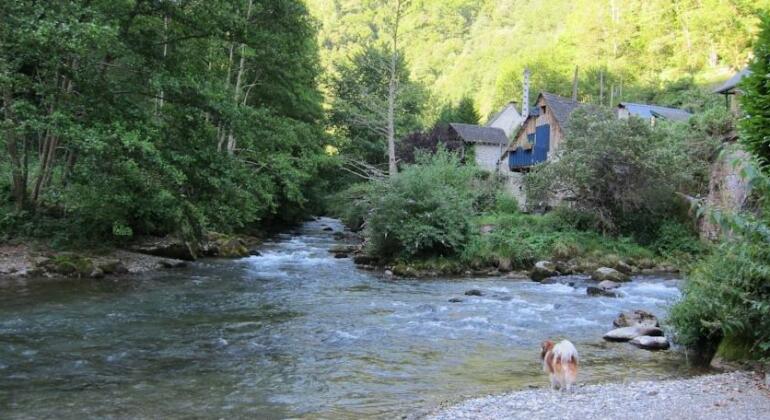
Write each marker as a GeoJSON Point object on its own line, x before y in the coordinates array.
{"type": "Point", "coordinates": [231, 140]}
{"type": "Point", "coordinates": [18, 187]}
{"type": "Point", "coordinates": [393, 95]}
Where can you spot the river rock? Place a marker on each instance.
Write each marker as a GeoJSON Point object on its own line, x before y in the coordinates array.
{"type": "Point", "coordinates": [67, 264]}
{"type": "Point", "coordinates": [169, 263]}
{"type": "Point", "coordinates": [504, 264]}
{"type": "Point", "coordinates": [606, 273]}
{"type": "Point", "coordinates": [455, 300]}
{"type": "Point", "coordinates": [624, 267]}
{"type": "Point", "coordinates": [600, 291]}
{"type": "Point", "coordinates": [651, 343]}
{"type": "Point", "coordinates": [363, 259]}
{"type": "Point", "coordinates": [629, 333]}
{"type": "Point", "coordinates": [543, 270]}
{"type": "Point", "coordinates": [473, 292]}
{"type": "Point", "coordinates": [608, 285]}
{"type": "Point", "coordinates": [328, 229]}
{"type": "Point", "coordinates": [566, 267]}
{"type": "Point", "coordinates": [112, 266]}
{"type": "Point", "coordinates": [167, 247]}
{"type": "Point", "coordinates": [636, 318]}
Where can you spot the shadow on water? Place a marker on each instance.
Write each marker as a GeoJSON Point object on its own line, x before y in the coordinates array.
{"type": "Point", "coordinates": [297, 333]}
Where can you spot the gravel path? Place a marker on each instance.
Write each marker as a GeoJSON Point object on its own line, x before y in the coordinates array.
{"type": "Point", "coordinates": [736, 395]}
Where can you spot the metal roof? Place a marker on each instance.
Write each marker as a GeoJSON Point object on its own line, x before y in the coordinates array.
{"type": "Point", "coordinates": [477, 134]}
{"type": "Point", "coordinates": [732, 82]}
{"type": "Point", "coordinates": [649, 111]}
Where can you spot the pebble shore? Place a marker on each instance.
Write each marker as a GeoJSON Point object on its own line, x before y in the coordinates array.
{"type": "Point", "coordinates": [735, 395]}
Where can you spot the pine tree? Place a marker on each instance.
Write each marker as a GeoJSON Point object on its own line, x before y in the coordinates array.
{"type": "Point", "coordinates": [466, 111]}
{"type": "Point", "coordinates": [755, 101]}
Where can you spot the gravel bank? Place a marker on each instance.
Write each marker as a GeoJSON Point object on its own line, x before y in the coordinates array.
{"type": "Point", "coordinates": [736, 395]}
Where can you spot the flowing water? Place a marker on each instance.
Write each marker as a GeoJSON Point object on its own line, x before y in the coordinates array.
{"type": "Point", "coordinates": [297, 333]}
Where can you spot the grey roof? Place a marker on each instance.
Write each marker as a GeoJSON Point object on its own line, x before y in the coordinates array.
{"type": "Point", "coordinates": [561, 107]}
{"type": "Point", "coordinates": [649, 111]}
{"type": "Point", "coordinates": [477, 134]}
{"type": "Point", "coordinates": [732, 82]}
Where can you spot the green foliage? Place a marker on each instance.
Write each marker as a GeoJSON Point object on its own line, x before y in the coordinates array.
{"type": "Point", "coordinates": [135, 118]}
{"type": "Point", "coordinates": [506, 203]}
{"type": "Point", "coordinates": [625, 172]}
{"type": "Point", "coordinates": [424, 211]}
{"type": "Point", "coordinates": [638, 46]}
{"type": "Point", "coordinates": [727, 296]}
{"type": "Point", "coordinates": [755, 100]}
{"type": "Point", "coordinates": [464, 112]}
{"type": "Point", "coordinates": [523, 239]}
{"type": "Point", "coordinates": [352, 205]}
{"type": "Point", "coordinates": [359, 90]}
{"type": "Point", "coordinates": [726, 303]}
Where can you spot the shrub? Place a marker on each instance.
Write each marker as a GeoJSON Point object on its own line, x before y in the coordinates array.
{"type": "Point", "coordinates": [352, 205]}
{"type": "Point", "coordinates": [727, 297]}
{"type": "Point", "coordinates": [624, 173]}
{"type": "Point", "coordinates": [506, 203]}
{"type": "Point", "coordinates": [424, 211]}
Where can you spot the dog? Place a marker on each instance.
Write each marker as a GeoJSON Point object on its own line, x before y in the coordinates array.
{"type": "Point", "coordinates": [560, 362]}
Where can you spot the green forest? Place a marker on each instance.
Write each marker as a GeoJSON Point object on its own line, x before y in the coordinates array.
{"type": "Point", "coordinates": [145, 118]}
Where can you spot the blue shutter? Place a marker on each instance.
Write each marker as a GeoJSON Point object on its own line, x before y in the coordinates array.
{"type": "Point", "coordinates": [542, 143]}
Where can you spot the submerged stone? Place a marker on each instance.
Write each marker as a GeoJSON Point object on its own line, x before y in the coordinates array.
{"type": "Point", "coordinates": [629, 333]}
{"type": "Point", "coordinates": [651, 343]}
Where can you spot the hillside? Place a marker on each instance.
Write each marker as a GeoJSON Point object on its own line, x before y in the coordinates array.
{"type": "Point", "coordinates": [479, 48]}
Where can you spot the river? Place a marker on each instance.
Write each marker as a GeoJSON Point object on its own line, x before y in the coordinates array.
{"type": "Point", "coordinates": [296, 333]}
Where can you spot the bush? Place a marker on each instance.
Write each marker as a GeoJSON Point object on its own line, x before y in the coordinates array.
{"type": "Point", "coordinates": [424, 211]}
{"type": "Point", "coordinates": [727, 297]}
{"type": "Point", "coordinates": [624, 173]}
{"type": "Point", "coordinates": [506, 203]}
{"type": "Point", "coordinates": [352, 205]}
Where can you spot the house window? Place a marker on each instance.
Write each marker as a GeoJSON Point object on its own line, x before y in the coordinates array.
{"type": "Point", "coordinates": [542, 110]}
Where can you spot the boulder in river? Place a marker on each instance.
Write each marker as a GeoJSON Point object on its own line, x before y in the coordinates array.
{"type": "Point", "coordinates": [608, 285]}
{"type": "Point", "coordinates": [328, 229]}
{"type": "Point", "coordinates": [651, 343]}
{"type": "Point", "coordinates": [629, 333]}
{"type": "Point", "coordinates": [473, 292]}
{"type": "Point", "coordinates": [455, 300]}
{"type": "Point", "coordinates": [636, 318]}
{"type": "Point", "coordinates": [606, 273]}
{"type": "Point", "coordinates": [599, 291]}
{"type": "Point", "coordinates": [167, 247]}
{"type": "Point", "coordinates": [543, 270]}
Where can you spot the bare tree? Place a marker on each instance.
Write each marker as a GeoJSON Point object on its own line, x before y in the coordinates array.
{"type": "Point", "coordinates": [393, 83]}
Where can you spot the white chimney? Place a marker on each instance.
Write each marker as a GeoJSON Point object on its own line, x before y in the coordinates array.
{"type": "Point", "coordinates": [525, 98]}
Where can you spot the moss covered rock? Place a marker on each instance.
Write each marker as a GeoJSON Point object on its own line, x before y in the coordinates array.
{"type": "Point", "coordinates": [68, 264]}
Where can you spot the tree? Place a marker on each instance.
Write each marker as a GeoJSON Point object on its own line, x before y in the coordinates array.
{"type": "Point", "coordinates": [159, 117]}
{"type": "Point", "coordinates": [624, 172]}
{"type": "Point", "coordinates": [360, 104]}
{"type": "Point", "coordinates": [464, 112]}
{"type": "Point", "coordinates": [755, 100]}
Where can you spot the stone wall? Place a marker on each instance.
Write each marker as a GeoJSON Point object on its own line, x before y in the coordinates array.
{"type": "Point", "coordinates": [727, 189]}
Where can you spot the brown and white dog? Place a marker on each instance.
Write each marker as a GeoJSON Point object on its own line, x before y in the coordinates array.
{"type": "Point", "coordinates": [560, 362]}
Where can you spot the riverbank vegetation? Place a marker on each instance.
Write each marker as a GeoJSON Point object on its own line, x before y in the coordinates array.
{"type": "Point", "coordinates": [726, 304]}
{"type": "Point", "coordinates": [150, 118]}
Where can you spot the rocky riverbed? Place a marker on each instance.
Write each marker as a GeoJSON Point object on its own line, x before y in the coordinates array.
{"type": "Point", "coordinates": [735, 395]}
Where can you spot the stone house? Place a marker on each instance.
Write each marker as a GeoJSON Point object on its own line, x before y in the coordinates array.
{"type": "Point", "coordinates": [487, 142]}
